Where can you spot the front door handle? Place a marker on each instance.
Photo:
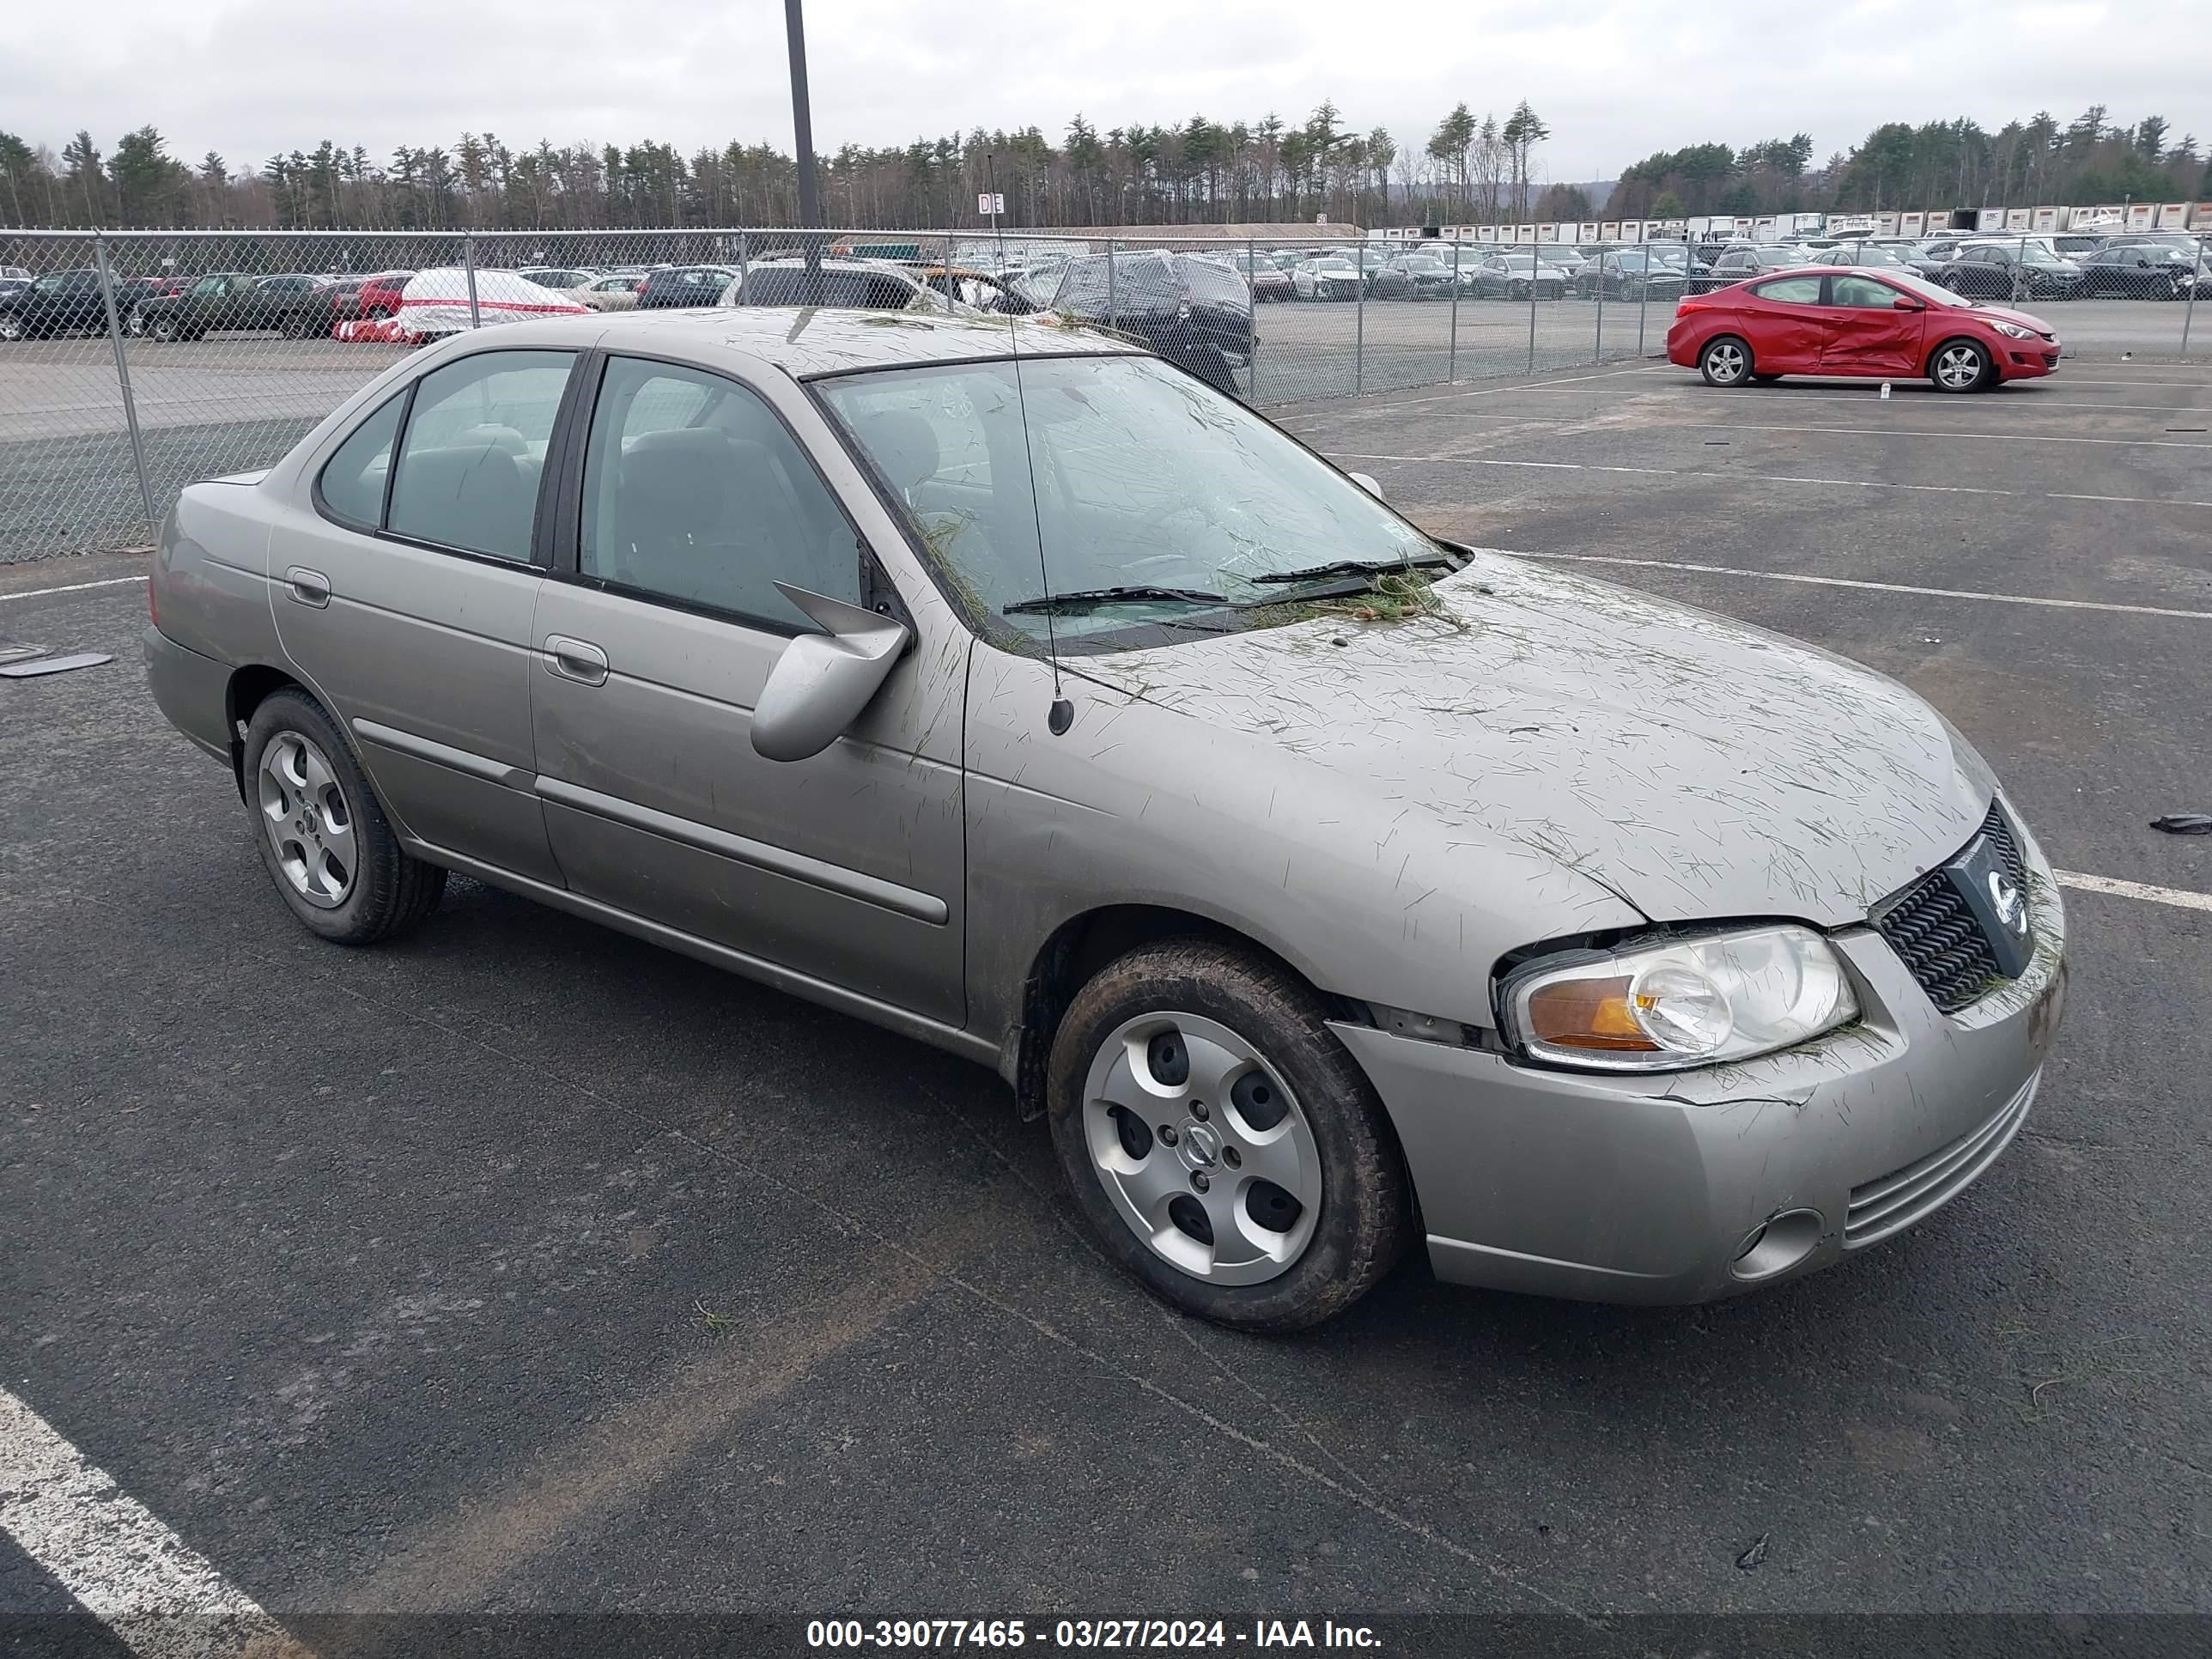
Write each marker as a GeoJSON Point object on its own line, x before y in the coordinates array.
{"type": "Point", "coordinates": [575, 659]}
{"type": "Point", "coordinates": [307, 587]}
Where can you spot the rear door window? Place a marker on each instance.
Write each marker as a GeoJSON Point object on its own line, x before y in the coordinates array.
{"type": "Point", "coordinates": [475, 449]}
{"type": "Point", "coordinates": [1790, 291]}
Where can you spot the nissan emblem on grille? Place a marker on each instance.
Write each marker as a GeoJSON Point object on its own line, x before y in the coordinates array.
{"type": "Point", "coordinates": [1965, 925]}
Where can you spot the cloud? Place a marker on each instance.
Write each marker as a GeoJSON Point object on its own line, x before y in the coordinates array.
{"type": "Point", "coordinates": [251, 78]}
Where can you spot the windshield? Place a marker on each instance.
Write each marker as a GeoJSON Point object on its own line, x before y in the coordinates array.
{"type": "Point", "coordinates": [1335, 267]}
{"type": "Point", "coordinates": [1145, 477]}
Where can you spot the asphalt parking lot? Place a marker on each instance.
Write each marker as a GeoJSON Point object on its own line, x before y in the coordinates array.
{"type": "Point", "coordinates": [234, 401]}
{"type": "Point", "coordinates": [523, 1268]}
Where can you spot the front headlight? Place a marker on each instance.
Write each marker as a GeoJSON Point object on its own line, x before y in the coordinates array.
{"type": "Point", "coordinates": [1687, 1002]}
{"type": "Point", "coordinates": [2013, 330]}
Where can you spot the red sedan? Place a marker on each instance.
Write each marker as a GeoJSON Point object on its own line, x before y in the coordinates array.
{"type": "Point", "coordinates": [1884, 324]}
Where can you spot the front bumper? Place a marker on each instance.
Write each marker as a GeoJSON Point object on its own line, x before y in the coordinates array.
{"type": "Point", "coordinates": [1690, 1186]}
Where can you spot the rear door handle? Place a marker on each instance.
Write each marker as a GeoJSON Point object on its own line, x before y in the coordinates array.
{"type": "Point", "coordinates": [575, 659]}
{"type": "Point", "coordinates": [307, 587]}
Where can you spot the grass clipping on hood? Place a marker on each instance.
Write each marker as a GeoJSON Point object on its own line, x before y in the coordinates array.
{"type": "Point", "coordinates": [1394, 596]}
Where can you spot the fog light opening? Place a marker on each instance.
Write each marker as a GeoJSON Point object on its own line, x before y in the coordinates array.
{"type": "Point", "coordinates": [1777, 1245]}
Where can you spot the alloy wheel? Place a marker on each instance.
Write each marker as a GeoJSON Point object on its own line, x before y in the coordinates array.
{"type": "Point", "coordinates": [308, 819]}
{"type": "Point", "coordinates": [1958, 367]}
{"type": "Point", "coordinates": [1724, 362]}
{"type": "Point", "coordinates": [1202, 1151]}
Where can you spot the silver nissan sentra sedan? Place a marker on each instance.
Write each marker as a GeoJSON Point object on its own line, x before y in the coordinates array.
{"type": "Point", "coordinates": [1324, 884]}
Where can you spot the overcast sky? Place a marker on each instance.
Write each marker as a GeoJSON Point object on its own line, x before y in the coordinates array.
{"type": "Point", "coordinates": [250, 78]}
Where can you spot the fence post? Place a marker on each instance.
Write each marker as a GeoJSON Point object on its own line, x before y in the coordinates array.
{"type": "Point", "coordinates": [2189, 313]}
{"type": "Point", "coordinates": [1359, 324]}
{"type": "Point", "coordinates": [1113, 310]}
{"type": "Point", "coordinates": [1536, 263]}
{"type": "Point", "coordinates": [469, 261]}
{"type": "Point", "coordinates": [1597, 345]}
{"type": "Point", "coordinates": [742, 253]}
{"type": "Point", "coordinates": [1252, 281]}
{"type": "Point", "coordinates": [123, 376]}
{"type": "Point", "coordinates": [1451, 349]}
{"type": "Point", "coordinates": [1643, 293]}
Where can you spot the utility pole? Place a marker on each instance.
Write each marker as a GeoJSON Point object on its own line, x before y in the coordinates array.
{"type": "Point", "coordinates": [802, 123]}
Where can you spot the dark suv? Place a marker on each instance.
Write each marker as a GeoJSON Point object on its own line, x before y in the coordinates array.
{"type": "Point", "coordinates": [1195, 312]}
{"type": "Point", "coordinates": [294, 304]}
{"type": "Point", "coordinates": [683, 285]}
{"type": "Point", "coordinates": [59, 302]}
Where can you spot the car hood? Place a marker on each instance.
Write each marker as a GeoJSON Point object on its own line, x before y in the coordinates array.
{"type": "Point", "coordinates": [2007, 314]}
{"type": "Point", "coordinates": [1699, 768]}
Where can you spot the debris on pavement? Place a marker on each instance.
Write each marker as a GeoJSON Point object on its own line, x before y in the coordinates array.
{"type": "Point", "coordinates": [2184, 824]}
{"type": "Point", "coordinates": [24, 670]}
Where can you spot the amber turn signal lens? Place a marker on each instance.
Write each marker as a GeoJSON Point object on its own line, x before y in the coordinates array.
{"type": "Point", "coordinates": [1586, 1013]}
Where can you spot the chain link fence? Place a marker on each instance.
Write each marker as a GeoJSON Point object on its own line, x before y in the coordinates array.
{"type": "Point", "coordinates": [134, 363]}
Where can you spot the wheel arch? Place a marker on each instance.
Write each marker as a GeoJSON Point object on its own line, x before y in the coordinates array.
{"type": "Point", "coordinates": [249, 687]}
{"type": "Point", "coordinates": [1074, 952]}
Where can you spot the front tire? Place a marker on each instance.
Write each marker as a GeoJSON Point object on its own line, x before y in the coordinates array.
{"type": "Point", "coordinates": [1222, 1145]}
{"type": "Point", "coordinates": [1725, 360]}
{"type": "Point", "coordinates": [323, 838]}
{"type": "Point", "coordinates": [1961, 366]}
{"type": "Point", "coordinates": [164, 330]}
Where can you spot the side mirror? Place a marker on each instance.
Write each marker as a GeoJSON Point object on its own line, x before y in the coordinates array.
{"type": "Point", "coordinates": [821, 682]}
{"type": "Point", "coordinates": [1904, 302]}
{"type": "Point", "coordinates": [1366, 481]}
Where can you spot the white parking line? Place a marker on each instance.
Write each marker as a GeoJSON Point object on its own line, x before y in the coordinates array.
{"type": "Point", "coordinates": [128, 1570]}
{"type": "Point", "coordinates": [73, 588]}
{"type": "Point", "coordinates": [1878, 587]}
{"type": "Point", "coordinates": [1919, 432]}
{"type": "Point", "coordinates": [2135, 889]}
{"type": "Point", "coordinates": [1500, 391]}
{"type": "Point", "coordinates": [1921, 403]}
{"type": "Point", "coordinates": [1760, 477]}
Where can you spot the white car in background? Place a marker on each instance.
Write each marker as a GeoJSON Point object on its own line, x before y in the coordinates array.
{"type": "Point", "coordinates": [611, 293]}
{"type": "Point", "coordinates": [1330, 277]}
{"type": "Point", "coordinates": [561, 279]}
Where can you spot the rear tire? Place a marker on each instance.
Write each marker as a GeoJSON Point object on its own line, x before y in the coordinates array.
{"type": "Point", "coordinates": [1246, 1037]}
{"type": "Point", "coordinates": [11, 327]}
{"type": "Point", "coordinates": [322, 834]}
{"type": "Point", "coordinates": [1961, 366]}
{"type": "Point", "coordinates": [1726, 361]}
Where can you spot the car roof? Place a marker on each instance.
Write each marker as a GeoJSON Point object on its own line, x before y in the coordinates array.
{"type": "Point", "coordinates": [809, 340]}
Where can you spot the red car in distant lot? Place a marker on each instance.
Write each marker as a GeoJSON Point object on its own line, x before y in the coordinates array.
{"type": "Point", "coordinates": [1834, 321]}
{"type": "Point", "coordinates": [377, 296]}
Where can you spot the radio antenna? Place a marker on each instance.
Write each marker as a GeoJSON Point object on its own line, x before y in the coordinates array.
{"type": "Point", "coordinates": [1062, 713]}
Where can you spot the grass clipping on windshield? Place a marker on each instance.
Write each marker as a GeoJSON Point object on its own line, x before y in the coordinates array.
{"type": "Point", "coordinates": [1396, 596]}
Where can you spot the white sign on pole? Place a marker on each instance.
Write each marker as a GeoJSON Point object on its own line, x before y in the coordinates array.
{"type": "Point", "coordinates": [988, 202]}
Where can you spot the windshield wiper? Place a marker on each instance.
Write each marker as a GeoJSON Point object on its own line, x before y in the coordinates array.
{"type": "Point", "coordinates": [1353, 568]}
{"type": "Point", "coordinates": [1088, 597]}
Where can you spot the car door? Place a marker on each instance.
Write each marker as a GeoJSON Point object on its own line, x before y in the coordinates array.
{"type": "Point", "coordinates": [1786, 324]}
{"type": "Point", "coordinates": [406, 598]}
{"type": "Point", "coordinates": [1867, 332]}
{"type": "Point", "coordinates": [692, 499]}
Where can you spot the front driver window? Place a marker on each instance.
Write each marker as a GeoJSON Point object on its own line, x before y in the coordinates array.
{"type": "Point", "coordinates": [1863, 293]}
{"type": "Point", "coordinates": [695, 492]}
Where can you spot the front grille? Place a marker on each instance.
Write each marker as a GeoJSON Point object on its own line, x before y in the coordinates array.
{"type": "Point", "coordinates": [1904, 1196]}
{"type": "Point", "coordinates": [1932, 929]}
